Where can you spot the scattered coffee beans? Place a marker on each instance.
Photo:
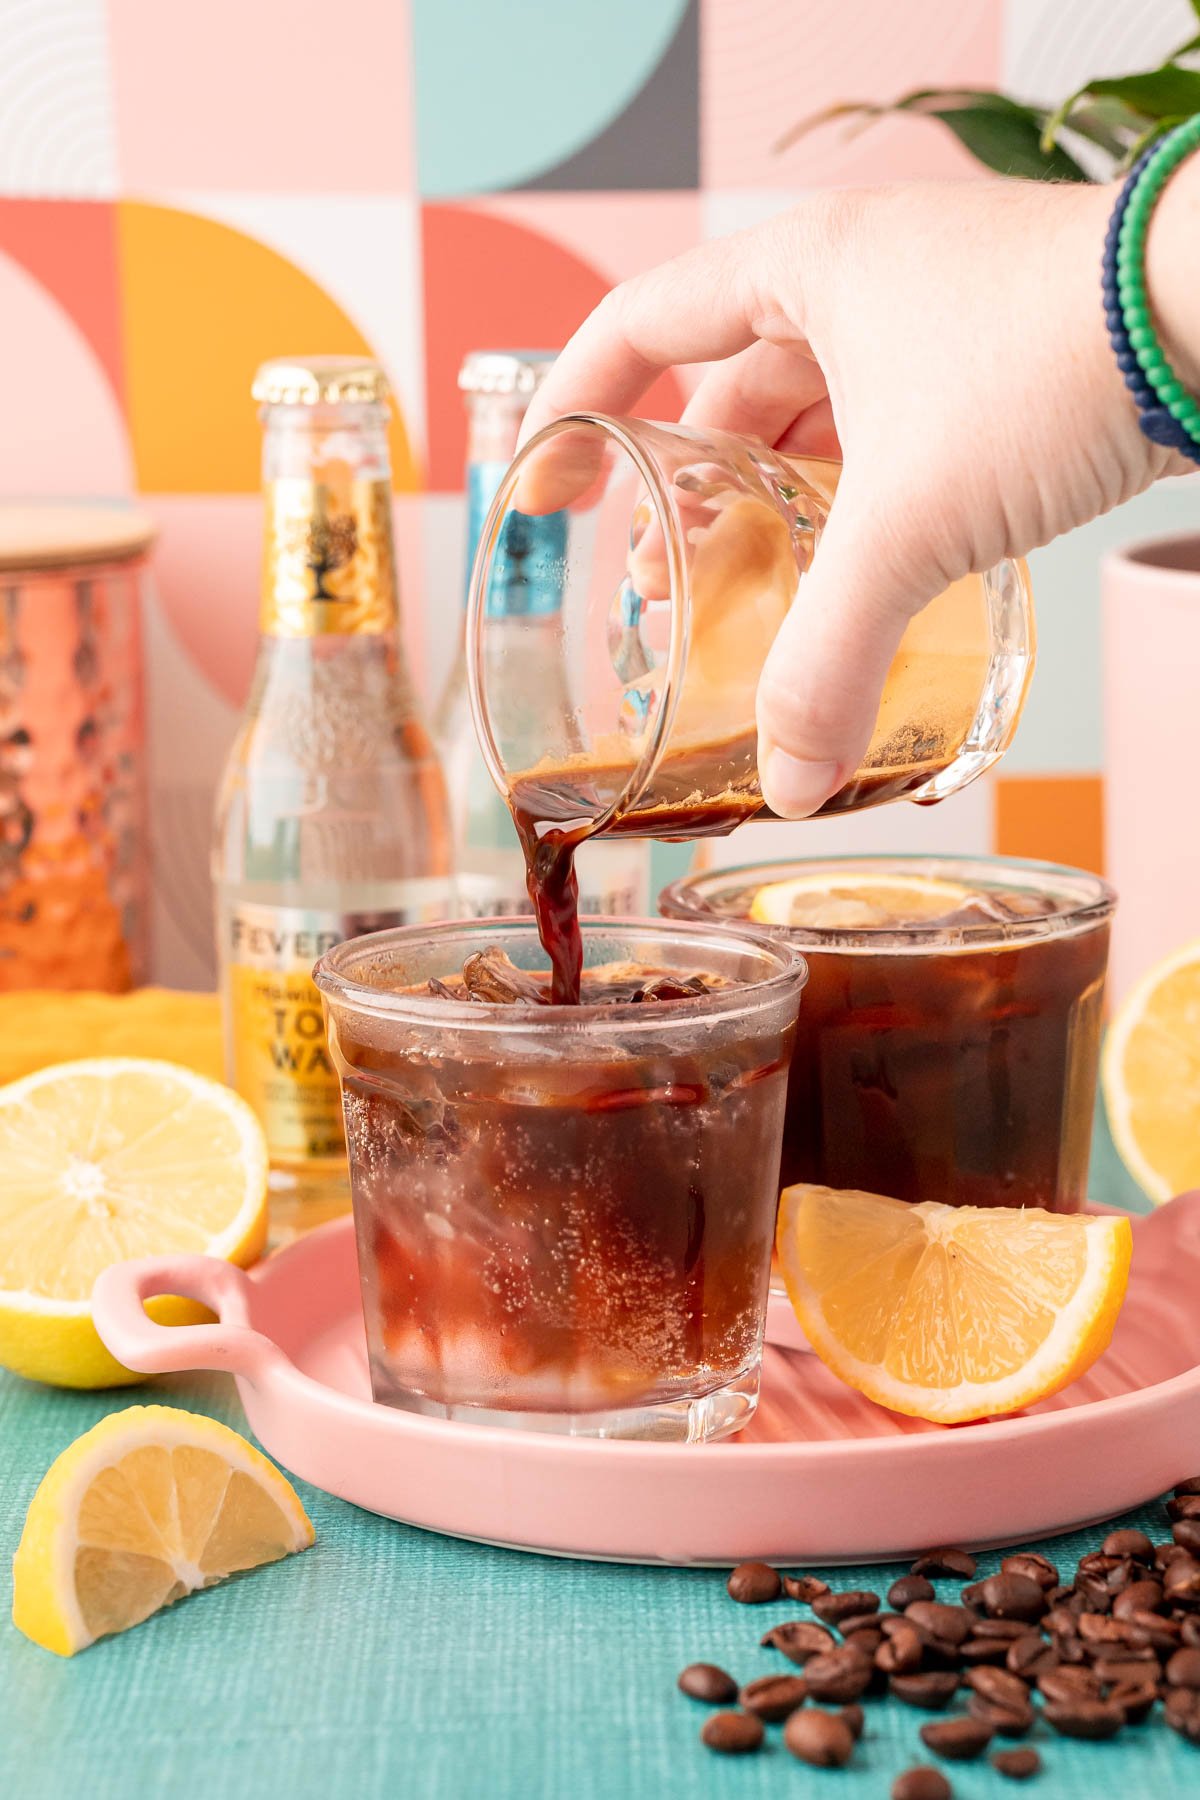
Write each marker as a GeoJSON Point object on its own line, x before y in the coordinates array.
{"type": "Point", "coordinates": [959, 1740]}
{"type": "Point", "coordinates": [1098, 1652]}
{"type": "Point", "coordinates": [732, 1733]}
{"type": "Point", "coordinates": [1018, 1765]}
{"type": "Point", "coordinates": [754, 1582]}
{"type": "Point", "coordinates": [820, 1738]}
{"type": "Point", "coordinates": [773, 1697]}
{"type": "Point", "coordinates": [922, 1783]}
{"type": "Point", "coordinates": [705, 1681]}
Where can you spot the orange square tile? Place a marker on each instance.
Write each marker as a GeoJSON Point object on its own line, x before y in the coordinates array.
{"type": "Point", "coordinates": [1056, 818]}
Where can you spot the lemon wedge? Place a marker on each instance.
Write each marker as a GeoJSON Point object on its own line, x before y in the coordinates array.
{"type": "Point", "coordinates": [856, 901]}
{"type": "Point", "coordinates": [108, 1159]}
{"type": "Point", "coordinates": [149, 1505]}
{"type": "Point", "coordinates": [951, 1313]}
{"type": "Point", "coordinates": [1151, 1077]}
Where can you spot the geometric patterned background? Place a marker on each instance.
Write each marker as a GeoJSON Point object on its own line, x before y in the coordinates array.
{"type": "Point", "coordinates": [189, 186]}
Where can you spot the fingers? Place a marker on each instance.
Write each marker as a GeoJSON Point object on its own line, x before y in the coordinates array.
{"type": "Point", "coordinates": [759, 393]}
{"type": "Point", "coordinates": [819, 694]}
{"type": "Point", "coordinates": [698, 308]}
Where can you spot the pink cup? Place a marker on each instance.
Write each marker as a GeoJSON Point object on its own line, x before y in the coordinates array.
{"type": "Point", "coordinates": [1151, 604]}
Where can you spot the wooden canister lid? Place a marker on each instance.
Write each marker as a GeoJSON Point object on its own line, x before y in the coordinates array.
{"type": "Point", "coordinates": [44, 535]}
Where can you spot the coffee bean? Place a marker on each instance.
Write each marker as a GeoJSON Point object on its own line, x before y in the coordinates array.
{"type": "Point", "coordinates": [1079, 1718]}
{"type": "Point", "coordinates": [1099, 1564]}
{"type": "Point", "coordinates": [1058, 1595]}
{"type": "Point", "coordinates": [1185, 1506]}
{"type": "Point", "coordinates": [732, 1733]}
{"type": "Point", "coordinates": [1006, 1629]}
{"type": "Point", "coordinates": [1018, 1765]}
{"type": "Point", "coordinates": [867, 1642]}
{"type": "Point", "coordinates": [958, 1740]}
{"type": "Point", "coordinates": [705, 1681]}
{"type": "Point", "coordinates": [1098, 1628]}
{"type": "Point", "coordinates": [798, 1639]}
{"type": "Point", "coordinates": [804, 1587]}
{"type": "Point", "coordinates": [1190, 1486]}
{"type": "Point", "coordinates": [946, 1563]}
{"type": "Point", "coordinates": [1067, 1685]}
{"type": "Point", "coordinates": [1181, 1709]}
{"type": "Point", "coordinates": [931, 1689]}
{"type": "Point", "coordinates": [1009, 1721]}
{"type": "Point", "coordinates": [922, 1783]}
{"type": "Point", "coordinates": [855, 1718]}
{"type": "Point", "coordinates": [1187, 1534]}
{"type": "Point", "coordinates": [773, 1697]}
{"type": "Point", "coordinates": [900, 1652]}
{"type": "Point", "coordinates": [1167, 1553]}
{"type": "Point", "coordinates": [952, 1624]}
{"type": "Point", "coordinates": [1181, 1580]}
{"type": "Point", "coordinates": [1135, 1698]}
{"type": "Point", "coordinates": [1009, 1597]}
{"type": "Point", "coordinates": [753, 1582]}
{"type": "Point", "coordinates": [1189, 1632]}
{"type": "Point", "coordinates": [1029, 1562]}
{"type": "Point", "coordinates": [981, 1653]}
{"type": "Point", "coordinates": [1156, 1633]}
{"type": "Point", "coordinates": [1093, 1595]}
{"type": "Point", "coordinates": [1061, 1618]}
{"type": "Point", "coordinates": [859, 1622]}
{"type": "Point", "coordinates": [1139, 1596]}
{"type": "Point", "coordinates": [841, 1675]}
{"type": "Point", "coordinates": [1183, 1669]}
{"type": "Point", "coordinates": [1128, 1543]}
{"type": "Point", "coordinates": [1030, 1657]}
{"type": "Point", "coordinates": [819, 1738]}
{"type": "Point", "coordinates": [1111, 1670]}
{"type": "Point", "coordinates": [1071, 1650]}
{"type": "Point", "coordinates": [908, 1588]}
{"type": "Point", "coordinates": [835, 1607]}
{"type": "Point", "coordinates": [998, 1686]}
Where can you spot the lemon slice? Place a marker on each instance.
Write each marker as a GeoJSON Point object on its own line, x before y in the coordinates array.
{"type": "Point", "coordinates": [1151, 1077]}
{"type": "Point", "coordinates": [149, 1505]}
{"type": "Point", "coordinates": [109, 1159]}
{"type": "Point", "coordinates": [951, 1312]}
{"type": "Point", "coordinates": [856, 901]}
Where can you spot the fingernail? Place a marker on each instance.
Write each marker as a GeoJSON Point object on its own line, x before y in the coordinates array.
{"type": "Point", "coordinates": [794, 788]}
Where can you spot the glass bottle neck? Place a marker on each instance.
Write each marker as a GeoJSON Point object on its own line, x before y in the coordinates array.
{"type": "Point", "coordinates": [329, 565]}
{"type": "Point", "coordinates": [528, 569]}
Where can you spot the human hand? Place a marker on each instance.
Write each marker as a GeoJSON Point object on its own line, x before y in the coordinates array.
{"type": "Point", "coordinates": [948, 342]}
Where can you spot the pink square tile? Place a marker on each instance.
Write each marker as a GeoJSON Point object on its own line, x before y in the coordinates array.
{"type": "Point", "coordinates": [764, 67]}
{"type": "Point", "coordinates": [275, 95]}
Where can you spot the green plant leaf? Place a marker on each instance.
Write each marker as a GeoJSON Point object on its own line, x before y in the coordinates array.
{"type": "Point", "coordinates": [1170, 91]}
{"type": "Point", "coordinates": [999, 132]}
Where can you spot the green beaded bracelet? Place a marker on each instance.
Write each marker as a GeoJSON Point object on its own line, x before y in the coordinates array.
{"type": "Point", "coordinates": [1165, 385]}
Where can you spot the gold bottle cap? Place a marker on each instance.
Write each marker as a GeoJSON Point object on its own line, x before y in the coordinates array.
{"type": "Point", "coordinates": [504, 371]}
{"type": "Point", "coordinates": [320, 381]}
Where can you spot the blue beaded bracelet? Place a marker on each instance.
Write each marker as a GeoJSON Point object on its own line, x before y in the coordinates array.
{"type": "Point", "coordinates": [1155, 418]}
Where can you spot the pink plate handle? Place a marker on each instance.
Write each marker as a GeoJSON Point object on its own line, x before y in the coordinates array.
{"type": "Point", "coordinates": [136, 1340]}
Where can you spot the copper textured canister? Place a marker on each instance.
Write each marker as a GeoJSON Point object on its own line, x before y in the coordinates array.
{"type": "Point", "coordinates": [74, 876]}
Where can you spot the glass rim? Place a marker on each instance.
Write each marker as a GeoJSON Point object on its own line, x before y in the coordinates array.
{"type": "Point", "coordinates": [339, 987]}
{"type": "Point", "coordinates": [625, 434]}
{"type": "Point", "coordinates": [1094, 906]}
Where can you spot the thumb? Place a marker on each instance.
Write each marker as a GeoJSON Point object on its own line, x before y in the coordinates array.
{"type": "Point", "coordinates": [820, 689]}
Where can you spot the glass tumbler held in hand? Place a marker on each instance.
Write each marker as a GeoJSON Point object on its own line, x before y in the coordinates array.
{"type": "Point", "coordinates": [683, 553]}
{"type": "Point", "coordinates": [565, 1215]}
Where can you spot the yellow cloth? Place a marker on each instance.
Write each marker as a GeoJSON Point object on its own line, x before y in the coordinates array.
{"type": "Point", "coordinates": [45, 1026]}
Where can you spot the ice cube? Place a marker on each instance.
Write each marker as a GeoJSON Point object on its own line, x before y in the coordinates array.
{"type": "Point", "coordinates": [492, 978]}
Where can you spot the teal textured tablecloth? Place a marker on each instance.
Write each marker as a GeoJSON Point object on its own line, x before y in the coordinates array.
{"type": "Point", "coordinates": [389, 1662]}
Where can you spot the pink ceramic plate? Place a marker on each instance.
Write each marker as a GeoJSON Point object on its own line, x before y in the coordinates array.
{"type": "Point", "coordinates": [822, 1475]}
